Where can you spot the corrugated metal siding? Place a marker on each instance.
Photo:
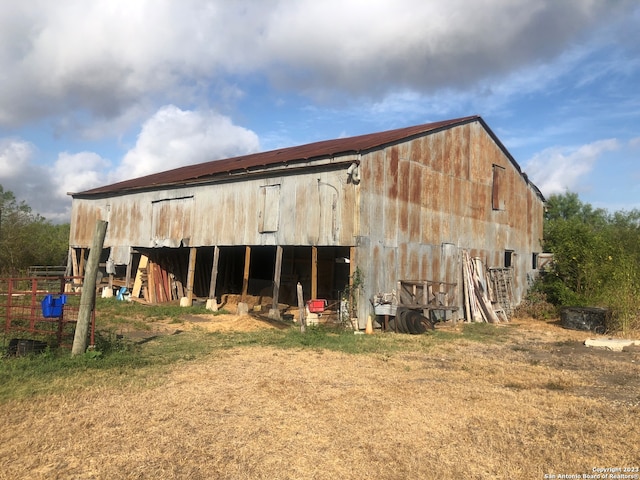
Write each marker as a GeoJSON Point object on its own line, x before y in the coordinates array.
{"type": "Point", "coordinates": [316, 208]}
{"type": "Point", "coordinates": [438, 192]}
{"type": "Point", "coordinates": [283, 157]}
{"type": "Point", "coordinates": [419, 202]}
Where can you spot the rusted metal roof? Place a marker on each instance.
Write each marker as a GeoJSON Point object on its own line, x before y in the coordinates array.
{"type": "Point", "coordinates": [323, 149]}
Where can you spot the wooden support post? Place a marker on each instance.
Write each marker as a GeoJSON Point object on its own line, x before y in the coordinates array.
{"type": "Point", "coordinates": [82, 262]}
{"type": "Point", "coordinates": [276, 278]}
{"type": "Point", "coordinates": [314, 272]}
{"type": "Point", "coordinates": [301, 310]}
{"type": "Point", "coordinates": [137, 283]}
{"type": "Point", "coordinates": [151, 281]}
{"type": "Point", "coordinates": [245, 277]}
{"type": "Point", "coordinates": [68, 272]}
{"type": "Point", "coordinates": [127, 280]}
{"type": "Point", "coordinates": [88, 297]}
{"type": "Point", "coordinates": [74, 266]}
{"type": "Point", "coordinates": [214, 272]}
{"type": "Point", "coordinates": [191, 273]}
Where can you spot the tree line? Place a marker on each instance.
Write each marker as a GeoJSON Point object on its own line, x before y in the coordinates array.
{"type": "Point", "coordinates": [596, 258]}
{"type": "Point", "coordinates": [27, 238]}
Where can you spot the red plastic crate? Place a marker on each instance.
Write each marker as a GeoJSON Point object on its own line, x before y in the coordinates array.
{"type": "Point", "coordinates": [316, 305]}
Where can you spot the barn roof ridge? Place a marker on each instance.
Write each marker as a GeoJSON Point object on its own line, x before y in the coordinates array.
{"type": "Point", "coordinates": [324, 148]}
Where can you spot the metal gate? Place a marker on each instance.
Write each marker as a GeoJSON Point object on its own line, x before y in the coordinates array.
{"type": "Point", "coordinates": [45, 308]}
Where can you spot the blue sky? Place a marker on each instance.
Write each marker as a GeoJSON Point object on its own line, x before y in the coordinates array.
{"type": "Point", "coordinates": [97, 92]}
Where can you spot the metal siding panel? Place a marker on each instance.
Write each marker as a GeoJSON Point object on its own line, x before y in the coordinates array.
{"type": "Point", "coordinates": [448, 141]}
{"type": "Point", "coordinates": [403, 203]}
{"type": "Point", "coordinates": [390, 214]}
{"type": "Point", "coordinates": [415, 199]}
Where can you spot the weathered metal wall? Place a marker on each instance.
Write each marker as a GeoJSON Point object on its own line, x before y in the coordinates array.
{"type": "Point", "coordinates": [309, 208]}
{"type": "Point", "coordinates": [419, 203]}
{"type": "Point", "coordinates": [427, 199]}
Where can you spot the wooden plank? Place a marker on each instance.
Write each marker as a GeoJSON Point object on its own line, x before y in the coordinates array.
{"type": "Point", "coordinates": [314, 272]}
{"type": "Point", "coordinates": [128, 274]}
{"type": "Point", "coordinates": [191, 272]}
{"type": "Point", "coordinates": [137, 283]}
{"type": "Point", "coordinates": [74, 260]}
{"type": "Point", "coordinates": [82, 261]}
{"type": "Point", "coordinates": [301, 309]}
{"type": "Point", "coordinates": [276, 278]}
{"type": "Point", "coordinates": [214, 272]}
{"type": "Point", "coordinates": [165, 285]}
{"type": "Point", "coordinates": [245, 277]}
{"type": "Point", "coordinates": [151, 282]}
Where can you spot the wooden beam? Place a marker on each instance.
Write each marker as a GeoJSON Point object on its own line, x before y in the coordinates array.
{"type": "Point", "coordinates": [74, 266]}
{"type": "Point", "coordinates": [88, 296]}
{"type": "Point", "coordinates": [151, 282]}
{"type": "Point", "coordinates": [301, 308]}
{"type": "Point", "coordinates": [82, 261]}
{"type": "Point", "coordinates": [214, 272]}
{"type": "Point", "coordinates": [137, 283]}
{"type": "Point", "coordinates": [127, 280]}
{"type": "Point", "coordinates": [314, 272]}
{"type": "Point", "coordinates": [245, 277]}
{"type": "Point", "coordinates": [191, 273]}
{"type": "Point", "coordinates": [276, 277]}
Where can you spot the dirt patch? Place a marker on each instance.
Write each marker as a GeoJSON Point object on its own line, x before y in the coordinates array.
{"type": "Point", "coordinates": [228, 322]}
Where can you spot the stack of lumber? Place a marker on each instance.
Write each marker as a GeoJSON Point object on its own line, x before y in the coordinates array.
{"type": "Point", "coordinates": [155, 283]}
{"type": "Point", "coordinates": [478, 306]}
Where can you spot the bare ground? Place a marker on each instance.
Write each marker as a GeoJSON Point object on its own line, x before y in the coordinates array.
{"type": "Point", "coordinates": [539, 403]}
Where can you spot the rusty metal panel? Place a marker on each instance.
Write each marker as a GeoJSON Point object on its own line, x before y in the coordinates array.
{"type": "Point", "coordinates": [171, 221]}
{"type": "Point", "coordinates": [404, 201]}
{"type": "Point", "coordinates": [283, 157]}
{"type": "Point", "coordinates": [447, 140]}
{"type": "Point", "coordinates": [390, 201]}
{"type": "Point", "coordinates": [316, 209]}
{"type": "Point", "coordinates": [416, 185]}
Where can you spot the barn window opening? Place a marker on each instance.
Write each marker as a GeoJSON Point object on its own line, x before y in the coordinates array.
{"type": "Point", "coordinates": [498, 191]}
{"type": "Point", "coordinates": [508, 258]}
{"type": "Point", "coordinates": [534, 261]}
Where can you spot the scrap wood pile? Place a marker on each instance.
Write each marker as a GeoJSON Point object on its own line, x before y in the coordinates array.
{"type": "Point", "coordinates": [157, 283]}
{"type": "Point", "coordinates": [477, 293]}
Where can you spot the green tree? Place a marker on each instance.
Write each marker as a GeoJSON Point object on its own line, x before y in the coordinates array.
{"type": "Point", "coordinates": [596, 257]}
{"type": "Point", "coordinates": [26, 238]}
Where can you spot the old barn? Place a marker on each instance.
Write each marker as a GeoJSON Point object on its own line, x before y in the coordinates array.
{"type": "Point", "coordinates": [395, 206]}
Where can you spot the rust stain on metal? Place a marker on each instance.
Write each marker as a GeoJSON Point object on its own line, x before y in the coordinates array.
{"type": "Point", "coordinates": [290, 155]}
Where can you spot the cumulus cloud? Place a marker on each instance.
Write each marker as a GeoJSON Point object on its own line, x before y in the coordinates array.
{"type": "Point", "coordinates": [29, 182]}
{"type": "Point", "coordinates": [560, 169]}
{"type": "Point", "coordinates": [173, 138]}
{"type": "Point", "coordinates": [15, 155]}
{"type": "Point", "coordinates": [169, 139]}
{"type": "Point", "coordinates": [106, 57]}
{"type": "Point", "coordinates": [78, 172]}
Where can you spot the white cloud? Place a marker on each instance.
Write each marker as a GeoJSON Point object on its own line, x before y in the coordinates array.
{"type": "Point", "coordinates": [558, 169]}
{"type": "Point", "coordinates": [30, 183]}
{"type": "Point", "coordinates": [78, 172]}
{"type": "Point", "coordinates": [106, 57]}
{"type": "Point", "coordinates": [173, 138]}
{"type": "Point", "coordinates": [15, 155]}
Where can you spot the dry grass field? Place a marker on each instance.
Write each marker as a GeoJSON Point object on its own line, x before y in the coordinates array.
{"type": "Point", "coordinates": [516, 401]}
